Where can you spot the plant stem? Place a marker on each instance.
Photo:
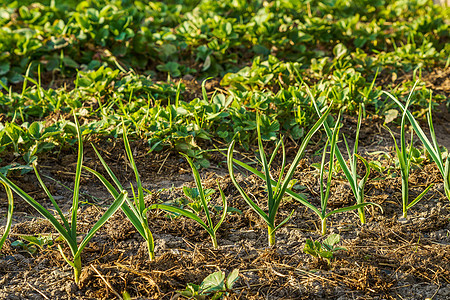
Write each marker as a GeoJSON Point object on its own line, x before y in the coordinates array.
{"type": "Point", "coordinates": [447, 187]}
{"type": "Point", "coordinates": [271, 233]}
{"type": "Point", "coordinates": [405, 196]}
{"type": "Point", "coordinates": [362, 214]}
{"type": "Point", "coordinates": [214, 242]}
{"type": "Point", "coordinates": [324, 226]}
{"type": "Point", "coordinates": [151, 251]}
{"type": "Point", "coordinates": [77, 269]}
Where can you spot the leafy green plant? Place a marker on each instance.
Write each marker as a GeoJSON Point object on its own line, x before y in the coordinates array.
{"type": "Point", "coordinates": [194, 201]}
{"type": "Point", "coordinates": [275, 189]}
{"type": "Point", "coordinates": [405, 157]}
{"type": "Point", "coordinates": [135, 210]}
{"type": "Point", "coordinates": [432, 147]}
{"type": "Point", "coordinates": [30, 243]}
{"type": "Point", "coordinates": [324, 250]}
{"type": "Point", "coordinates": [68, 230]}
{"type": "Point", "coordinates": [9, 215]}
{"type": "Point", "coordinates": [197, 206]}
{"type": "Point", "coordinates": [214, 286]}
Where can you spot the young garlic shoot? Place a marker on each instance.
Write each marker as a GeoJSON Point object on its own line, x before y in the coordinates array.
{"type": "Point", "coordinates": [68, 230]}
{"type": "Point", "coordinates": [135, 210]}
{"type": "Point", "coordinates": [276, 190]}
{"type": "Point", "coordinates": [432, 147]}
{"type": "Point", "coordinates": [404, 158]}
{"type": "Point", "coordinates": [325, 189]}
{"type": "Point", "coordinates": [209, 225]}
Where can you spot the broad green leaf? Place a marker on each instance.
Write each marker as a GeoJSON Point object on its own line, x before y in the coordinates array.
{"type": "Point", "coordinates": [4, 67]}
{"type": "Point", "coordinates": [35, 130]}
{"type": "Point", "coordinates": [232, 277]}
{"type": "Point", "coordinates": [332, 239]}
{"type": "Point", "coordinates": [213, 282]}
{"type": "Point", "coordinates": [390, 115]}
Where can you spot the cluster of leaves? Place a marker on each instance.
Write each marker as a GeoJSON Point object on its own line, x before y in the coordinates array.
{"type": "Point", "coordinates": [324, 250]}
{"type": "Point", "coordinates": [214, 286]}
{"type": "Point", "coordinates": [207, 38]}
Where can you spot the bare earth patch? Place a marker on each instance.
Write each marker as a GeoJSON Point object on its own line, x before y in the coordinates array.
{"type": "Point", "coordinates": [389, 258]}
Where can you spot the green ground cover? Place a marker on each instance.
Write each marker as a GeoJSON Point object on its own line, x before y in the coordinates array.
{"type": "Point", "coordinates": [109, 60]}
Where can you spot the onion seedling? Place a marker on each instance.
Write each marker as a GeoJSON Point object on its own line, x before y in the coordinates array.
{"type": "Point", "coordinates": [135, 211]}
{"type": "Point", "coordinates": [275, 189]}
{"type": "Point", "coordinates": [432, 147]}
{"type": "Point", "coordinates": [9, 216]}
{"type": "Point", "coordinates": [208, 226]}
{"type": "Point", "coordinates": [404, 158]}
{"type": "Point", "coordinates": [68, 230]}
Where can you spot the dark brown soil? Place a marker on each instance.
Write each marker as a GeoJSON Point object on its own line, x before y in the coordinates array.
{"type": "Point", "coordinates": [388, 258]}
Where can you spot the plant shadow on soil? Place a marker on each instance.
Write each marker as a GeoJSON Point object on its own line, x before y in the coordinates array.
{"type": "Point", "coordinates": [387, 258]}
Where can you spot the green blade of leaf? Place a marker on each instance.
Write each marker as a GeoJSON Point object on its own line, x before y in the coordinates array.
{"type": "Point", "coordinates": [284, 221]}
{"type": "Point", "coordinates": [129, 210]}
{"type": "Point", "coordinates": [141, 204]}
{"type": "Point", "coordinates": [201, 192]}
{"type": "Point", "coordinates": [224, 208]}
{"type": "Point", "coordinates": [325, 197]}
{"type": "Point", "coordinates": [266, 166]}
{"type": "Point", "coordinates": [447, 177]}
{"type": "Point", "coordinates": [108, 169]}
{"type": "Point", "coordinates": [339, 156]}
{"type": "Point", "coordinates": [45, 213]}
{"type": "Point", "coordinates": [353, 207]}
{"type": "Point", "coordinates": [272, 157]}
{"type": "Point", "coordinates": [400, 154]}
{"type": "Point", "coordinates": [76, 187]}
{"type": "Point", "coordinates": [294, 195]}
{"type": "Point", "coordinates": [55, 205]}
{"type": "Point", "coordinates": [283, 165]}
{"type": "Point", "coordinates": [296, 160]}
{"type": "Point", "coordinates": [183, 212]}
{"type": "Point", "coordinates": [418, 198]}
{"type": "Point", "coordinates": [109, 212]}
{"type": "Point", "coordinates": [247, 199]}
{"type": "Point", "coordinates": [9, 216]}
{"type": "Point", "coordinates": [425, 141]}
{"type": "Point", "coordinates": [363, 181]}
{"type": "Point", "coordinates": [358, 129]}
